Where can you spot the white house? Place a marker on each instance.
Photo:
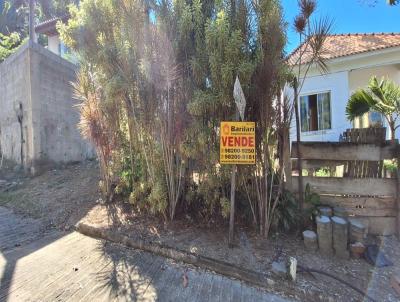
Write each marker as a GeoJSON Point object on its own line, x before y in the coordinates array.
{"type": "Point", "coordinates": [352, 59]}
{"type": "Point", "coordinates": [54, 43]}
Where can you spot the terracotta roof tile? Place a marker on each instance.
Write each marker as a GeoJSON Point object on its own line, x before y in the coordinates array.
{"type": "Point", "coordinates": [48, 27]}
{"type": "Point", "coordinates": [341, 45]}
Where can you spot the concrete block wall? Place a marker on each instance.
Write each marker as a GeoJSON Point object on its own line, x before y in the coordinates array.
{"type": "Point", "coordinates": [57, 115]}
{"type": "Point", "coordinates": [15, 101]}
{"type": "Point", "coordinates": [41, 81]}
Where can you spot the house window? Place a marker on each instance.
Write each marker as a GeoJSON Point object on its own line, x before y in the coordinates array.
{"type": "Point", "coordinates": [315, 112]}
{"type": "Point", "coordinates": [369, 119]}
{"type": "Point", "coordinates": [375, 119]}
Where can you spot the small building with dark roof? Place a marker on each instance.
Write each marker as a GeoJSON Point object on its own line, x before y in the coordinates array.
{"type": "Point", "coordinates": [49, 29]}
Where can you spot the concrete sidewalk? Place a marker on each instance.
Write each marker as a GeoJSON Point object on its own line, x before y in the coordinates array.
{"type": "Point", "coordinates": [72, 267]}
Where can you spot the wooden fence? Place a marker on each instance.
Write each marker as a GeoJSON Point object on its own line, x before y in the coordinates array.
{"type": "Point", "coordinates": [374, 169]}
{"type": "Point", "coordinates": [365, 135]}
{"type": "Point", "coordinates": [374, 201]}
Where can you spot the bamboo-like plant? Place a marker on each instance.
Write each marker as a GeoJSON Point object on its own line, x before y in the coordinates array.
{"type": "Point", "coordinates": [169, 77]}
{"type": "Point", "coordinates": [165, 120]}
{"type": "Point", "coordinates": [93, 124]}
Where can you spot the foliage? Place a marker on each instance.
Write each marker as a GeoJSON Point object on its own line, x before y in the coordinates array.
{"type": "Point", "coordinates": [13, 27]}
{"type": "Point", "coordinates": [390, 165]}
{"type": "Point", "coordinates": [323, 172]}
{"type": "Point", "coordinates": [312, 201]}
{"type": "Point", "coordinates": [14, 20]}
{"type": "Point", "coordinates": [287, 214]}
{"type": "Point", "coordinates": [380, 96]}
{"type": "Point", "coordinates": [14, 14]}
{"type": "Point", "coordinates": [54, 8]}
{"type": "Point", "coordinates": [162, 76]}
{"type": "Point", "coordinates": [8, 45]}
{"type": "Point", "coordinates": [311, 52]}
{"type": "Point", "coordinates": [93, 122]}
{"type": "Point", "coordinates": [12, 17]}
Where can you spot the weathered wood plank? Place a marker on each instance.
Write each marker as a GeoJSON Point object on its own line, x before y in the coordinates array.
{"type": "Point", "coordinates": [317, 163]}
{"type": "Point", "coordinates": [385, 226]}
{"type": "Point", "coordinates": [345, 151]}
{"type": "Point", "coordinates": [368, 202]}
{"type": "Point", "coordinates": [398, 198]}
{"type": "Point", "coordinates": [349, 186]}
{"type": "Point", "coordinates": [366, 212]}
{"type": "Point", "coordinates": [371, 212]}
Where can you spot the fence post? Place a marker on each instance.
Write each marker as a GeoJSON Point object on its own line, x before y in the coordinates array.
{"type": "Point", "coordinates": [398, 193]}
{"type": "Point", "coordinates": [287, 161]}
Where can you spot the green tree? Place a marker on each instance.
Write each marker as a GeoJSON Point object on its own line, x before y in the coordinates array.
{"type": "Point", "coordinates": [310, 53]}
{"type": "Point", "coordinates": [8, 45]}
{"type": "Point", "coordinates": [54, 8]}
{"type": "Point", "coordinates": [14, 14]}
{"type": "Point", "coordinates": [12, 17]}
{"type": "Point", "coordinates": [14, 20]}
{"type": "Point", "coordinates": [380, 96]}
{"type": "Point", "coordinates": [161, 77]}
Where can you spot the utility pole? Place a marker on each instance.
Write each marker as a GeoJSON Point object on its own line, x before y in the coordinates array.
{"type": "Point", "coordinates": [31, 20]}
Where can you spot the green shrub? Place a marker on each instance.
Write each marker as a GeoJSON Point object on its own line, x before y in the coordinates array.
{"type": "Point", "coordinates": [287, 213]}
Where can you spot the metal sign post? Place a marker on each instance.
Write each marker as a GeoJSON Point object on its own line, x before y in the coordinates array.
{"type": "Point", "coordinates": [232, 207]}
{"type": "Point", "coordinates": [237, 146]}
{"type": "Point", "coordinates": [240, 100]}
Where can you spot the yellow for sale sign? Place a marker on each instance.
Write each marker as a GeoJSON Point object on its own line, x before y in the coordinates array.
{"type": "Point", "coordinates": [237, 144]}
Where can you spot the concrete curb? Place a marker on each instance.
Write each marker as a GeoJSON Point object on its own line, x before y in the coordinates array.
{"type": "Point", "coordinates": [220, 267]}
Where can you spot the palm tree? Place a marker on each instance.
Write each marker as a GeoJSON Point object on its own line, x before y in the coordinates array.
{"type": "Point", "coordinates": [311, 52]}
{"type": "Point", "coordinates": [380, 96]}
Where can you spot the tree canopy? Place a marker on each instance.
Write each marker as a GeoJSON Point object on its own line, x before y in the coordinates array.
{"type": "Point", "coordinates": [157, 79]}
{"type": "Point", "coordinates": [380, 96]}
{"type": "Point", "coordinates": [14, 19]}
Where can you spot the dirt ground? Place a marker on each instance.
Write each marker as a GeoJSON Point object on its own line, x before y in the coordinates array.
{"type": "Point", "coordinates": [59, 198]}
{"type": "Point", "coordinates": [62, 197]}
{"type": "Point", "coordinates": [256, 253]}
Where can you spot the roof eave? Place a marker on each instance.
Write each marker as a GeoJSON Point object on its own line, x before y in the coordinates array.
{"type": "Point", "coordinates": [360, 55]}
{"type": "Point", "coordinates": [49, 27]}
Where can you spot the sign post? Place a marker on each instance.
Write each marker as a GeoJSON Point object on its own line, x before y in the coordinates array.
{"type": "Point", "coordinates": [232, 207]}
{"type": "Point", "coordinates": [237, 147]}
{"type": "Point", "coordinates": [240, 100]}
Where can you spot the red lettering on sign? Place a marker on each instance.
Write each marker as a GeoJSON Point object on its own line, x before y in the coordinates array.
{"type": "Point", "coordinates": [251, 141]}
{"type": "Point", "coordinates": [238, 141]}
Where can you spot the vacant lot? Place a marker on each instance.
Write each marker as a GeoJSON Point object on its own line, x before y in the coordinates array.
{"type": "Point", "coordinates": [59, 197]}
{"type": "Point", "coordinates": [62, 197]}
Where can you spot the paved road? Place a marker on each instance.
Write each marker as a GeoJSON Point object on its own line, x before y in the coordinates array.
{"type": "Point", "coordinates": [60, 266]}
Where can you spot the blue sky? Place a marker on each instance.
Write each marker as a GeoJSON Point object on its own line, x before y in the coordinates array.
{"type": "Point", "coordinates": [349, 16]}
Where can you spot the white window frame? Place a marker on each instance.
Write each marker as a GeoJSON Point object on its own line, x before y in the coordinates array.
{"type": "Point", "coordinates": [330, 110]}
